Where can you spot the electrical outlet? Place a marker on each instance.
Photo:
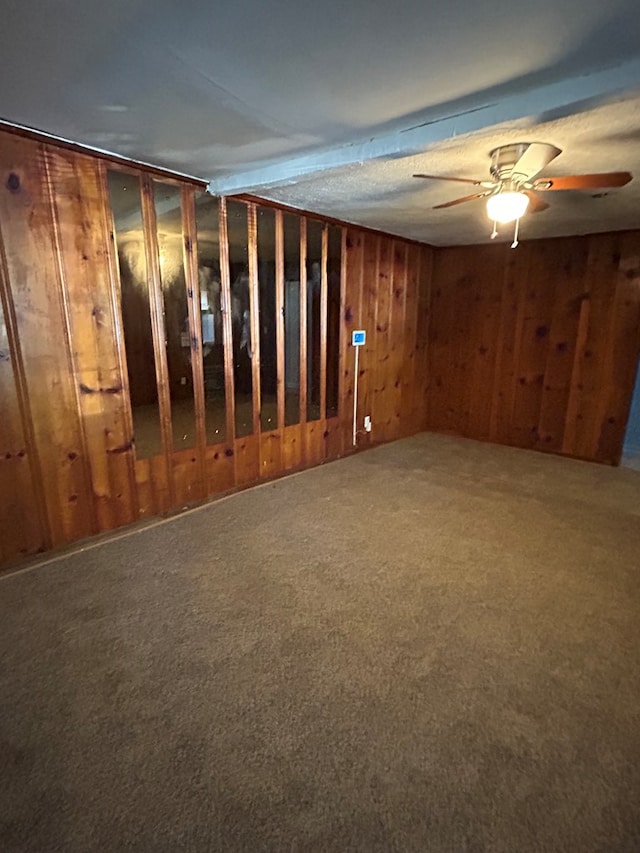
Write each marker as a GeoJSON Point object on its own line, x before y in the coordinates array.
{"type": "Point", "coordinates": [367, 423]}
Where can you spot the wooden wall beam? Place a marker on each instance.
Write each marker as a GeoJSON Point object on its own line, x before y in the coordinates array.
{"type": "Point", "coordinates": [254, 310]}
{"type": "Point", "coordinates": [280, 341]}
{"type": "Point", "coordinates": [303, 320]}
{"type": "Point", "coordinates": [323, 323]}
{"type": "Point", "coordinates": [225, 296]}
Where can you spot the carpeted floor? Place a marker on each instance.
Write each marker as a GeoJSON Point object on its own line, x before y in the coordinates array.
{"type": "Point", "coordinates": [431, 646]}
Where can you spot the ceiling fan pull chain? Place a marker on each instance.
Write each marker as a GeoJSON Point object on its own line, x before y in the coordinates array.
{"type": "Point", "coordinates": [494, 233]}
{"type": "Point", "coordinates": [515, 235]}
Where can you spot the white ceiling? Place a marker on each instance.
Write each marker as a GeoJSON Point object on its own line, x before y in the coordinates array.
{"type": "Point", "coordinates": [331, 106]}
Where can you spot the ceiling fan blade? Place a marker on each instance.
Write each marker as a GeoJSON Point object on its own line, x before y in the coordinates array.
{"type": "Point", "coordinates": [535, 204]}
{"type": "Point", "coordinates": [584, 182]}
{"type": "Point", "coordinates": [462, 200]}
{"type": "Point", "coordinates": [443, 178]}
{"type": "Point", "coordinates": [535, 158]}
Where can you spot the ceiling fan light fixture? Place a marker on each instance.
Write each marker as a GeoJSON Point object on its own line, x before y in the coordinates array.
{"type": "Point", "coordinates": [507, 206]}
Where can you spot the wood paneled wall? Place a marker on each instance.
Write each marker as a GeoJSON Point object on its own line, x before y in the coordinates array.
{"type": "Point", "coordinates": [537, 347]}
{"type": "Point", "coordinates": [387, 294]}
{"type": "Point", "coordinates": [68, 466]}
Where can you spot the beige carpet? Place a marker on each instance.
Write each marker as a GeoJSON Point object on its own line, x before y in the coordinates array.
{"type": "Point", "coordinates": [431, 646]}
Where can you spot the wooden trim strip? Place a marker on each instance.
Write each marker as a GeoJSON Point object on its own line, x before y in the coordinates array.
{"type": "Point", "coordinates": [225, 304]}
{"type": "Point", "coordinates": [156, 304]}
{"type": "Point", "coordinates": [280, 317]}
{"type": "Point", "coordinates": [303, 320]}
{"type": "Point", "coordinates": [254, 309]}
{"type": "Point", "coordinates": [323, 323]}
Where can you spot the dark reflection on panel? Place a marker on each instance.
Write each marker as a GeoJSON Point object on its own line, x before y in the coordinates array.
{"type": "Point", "coordinates": [314, 280]}
{"type": "Point", "coordinates": [267, 296]}
{"type": "Point", "coordinates": [124, 192]}
{"type": "Point", "coordinates": [291, 318]}
{"type": "Point", "coordinates": [333, 318]}
{"type": "Point", "coordinates": [240, 316]}
{"type": "Point", "coordinates": [208, 237]}
{"type": "Point", "coordinates": [176, 314]}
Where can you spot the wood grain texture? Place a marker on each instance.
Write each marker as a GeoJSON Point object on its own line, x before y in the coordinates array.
{"type": "Point", "coordinates": [254, 311]}
{"type": "Point", "coordinates": [280, 338]}
{"type": "Point", "coordinates": [34, 277]}
{"type": "Point", "coordinates": [67, 432]}
{"type": "Point", "coordinates": [537, 347]}
{"type": "Point", "coordinates": [387, 290]}
{"type": "Point", "coordinates": [101, 390]}
{"type": "Point", "coordinates": [22, 525]}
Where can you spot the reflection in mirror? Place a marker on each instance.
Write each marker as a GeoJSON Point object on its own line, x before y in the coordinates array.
{"type": "Point", "coordinates": [333, 318]}
{"type": "Point", "coordinates": [292, 318]}
{"type": "Point", "coordinates": [267, 296]}
{"type": "Point", "coordinates": [314, 281]}
{"type": "Point", "coordinates": [124, 192]}
{"type": "Point", "coordinates": [176, 314]}
{"type": "Point", "coordinates": [240, 316]}
{"type": "Point", "coordinates": [208, 238]}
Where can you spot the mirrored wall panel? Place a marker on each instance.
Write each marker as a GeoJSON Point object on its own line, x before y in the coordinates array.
{"type": "Point", "coordinates": [208, 240]}
{"type": "Point", "coordinates": [124, 191]}
{"type": "Point", "coordinates": [334, 255]}
{"type": "Point", "coordinates": [267, 302]}
{"type": "Point", "coordinates": [240, 316]}
{"type": "Point", "coordinates": [167, 199]}
{"type": "Point", "coordinates": [291, 225]}
{"type": "Point", "coordinates": [314, 323]}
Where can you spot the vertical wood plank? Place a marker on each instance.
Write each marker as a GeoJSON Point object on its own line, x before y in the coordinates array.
{"type": "Point", "coordinates": [343, 345]}
{"type": "Point", "coordinates": [369, 353]}
{"type": "Point", "coordinates": [515, 268]}
{"type": "Point", "coordinates": [570, 269]}
{"type": "Point", "coordinates": [225, 304]}
{"type": "Point", "coordinates": [292, 447]}
{"type": "Point", "coordinates": [323, 324]}
{"type": "Point", "coordinates": [423, 379]}
{"type": "Point", "coordinates": [31, 265]}
{"type": "Point", "coordinates": [623, 352]}
{"type": "Point", "coordinates": [280, 379]}
{"type": "Point", "coordinates": [409, 396]}
{"type": "Point", "coordinates": [483, 341]}
{"type": "Point", "coordinates": [303, 320]}
{"type": "Point", "coordinates": [82, 235]}
{"type": "Point", "coordinates": [254, 311]}
{"type": "Point", "coordinates": [351, 319]}
{"type": "Point", "coordinates": [22, 510]}
{"type": "Point", "coordinates": [399, 336]}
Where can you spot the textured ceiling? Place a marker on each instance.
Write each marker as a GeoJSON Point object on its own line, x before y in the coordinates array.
{"type": "Point", "coordinates": [383, 194]}
{"type": "Point", "coordinates": [238, 93]}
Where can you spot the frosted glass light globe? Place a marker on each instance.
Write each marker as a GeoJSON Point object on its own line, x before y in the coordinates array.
{"type": "Point", "coordinates": [505, 207]}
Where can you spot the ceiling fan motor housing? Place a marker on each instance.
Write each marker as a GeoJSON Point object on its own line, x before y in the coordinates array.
{"type": "Point", "coordinates": [504, 158]}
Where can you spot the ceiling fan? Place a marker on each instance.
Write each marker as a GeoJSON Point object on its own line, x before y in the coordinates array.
{"type": "Point", "coordinates": [511, 192]}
